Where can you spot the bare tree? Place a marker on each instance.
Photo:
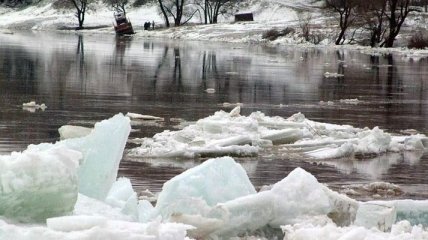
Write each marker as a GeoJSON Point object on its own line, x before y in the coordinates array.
{"type": "Point", "coordinates": [305, 19]}
{"type": "Point", "coordinates": [214, 8]}
{"type": "Point", "coordinates": [117, 5]}
{"type": "Point", "coordinates": [164, 14]}
{"type": "Point", "coordinates": [177, 10]}
{"type": "Point", "coordinates": [347, 15]}
{"type": "Point", "coordinates": [80, 6]}
{"type": "Point", "coordinates": [374, 20]}
{"type": "Point", "coordinates": [397, 12]}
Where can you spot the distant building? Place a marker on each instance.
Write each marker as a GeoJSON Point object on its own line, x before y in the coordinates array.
{"type": "Point", "coordinates": [241, 17]}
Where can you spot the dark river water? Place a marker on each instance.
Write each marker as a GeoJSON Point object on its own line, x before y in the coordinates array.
{"type": "Point", "coordinates": [86, 78]}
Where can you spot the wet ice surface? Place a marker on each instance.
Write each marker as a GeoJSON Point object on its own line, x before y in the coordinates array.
{"type": "Point", "coordinates": [84, 79]}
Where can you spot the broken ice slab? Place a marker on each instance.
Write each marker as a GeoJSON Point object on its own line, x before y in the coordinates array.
{"type": "Point", "coordinates": [70, 131]}
{"type": "Point", "coordinates": [283, 136]}
{"type": "Point", "coordinates": [102, 151]}
{"type": "Point", "coordinates": [414, 211]}
{"type": "Point", "coordinates": [197, 189]}
{"type": "Point", "coordinates": [379, 216]}
{"type": "Point", "coordinates": [38, 184]}
{"type": "Point", "coordinates": [296, 196]}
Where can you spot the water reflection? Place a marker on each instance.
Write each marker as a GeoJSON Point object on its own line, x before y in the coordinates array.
{"type": "Point", "coordinates": [85, 78]}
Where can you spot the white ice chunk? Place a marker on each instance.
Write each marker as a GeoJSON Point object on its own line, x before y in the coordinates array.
{"type": "Point", "coordinates": [284, 136]}
{"type": "Point", "coordinates": [122, 196]}
{"type": "Point", "coordinates": [375, 215]}
{"type": "Point", "coordinates": [194, 191]}
{"type": "Point", "coordinates": [142, 117]}
{"type": "Point", "coordinates": [37, 184]}
{"type": "Point", "coordinates": [296, 196]}
{"type": "Point", "coordinates": [102, 151]}
{"type": "Point", "coordinates": [70, 131]}
{"type": "Point", "coordinates": [354, 101]}
{"type": "Point", "coordinates": [414, 211]}
{"type": "Point", "coordinates": [374, 141]}
{"type": "Point", "coordinates": [33, 106]}
{"type": "Point", "coordinates": [332, 75]}
{"type": "Point", "coordinates": [345, 150]}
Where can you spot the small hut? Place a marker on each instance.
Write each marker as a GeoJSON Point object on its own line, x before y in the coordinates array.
{"type": "Point", "coordinates": [242, 17]}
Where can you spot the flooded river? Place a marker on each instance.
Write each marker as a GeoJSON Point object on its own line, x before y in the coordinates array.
{"type": "Point", "coordinates": [86, 78]}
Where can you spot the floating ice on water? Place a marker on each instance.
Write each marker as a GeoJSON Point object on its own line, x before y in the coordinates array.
{"type": "Point", "coordinates": [233, 134]}
{"type": "Point", "coordinates": [218, 135]}
{"type": "Point", "coordinates": [210, 90]}
{"type": "Point", "coordinates": [37, 184]}
{"type": "Point", "coordinates": [143, 117]}
{"type": "Point", "coordinates": [33, 106]}
{"type": "Point", "coordinates": [297, 196]}
{"type": "Point", "coordinates": [332, 75]}
{"type": "Point", "coordinates": [199, 188]}
{"type": "Point", "coordinates": [328, 103]}
{"type": "Point", "coordinates": [354, 101]}
{"type": "Point", "coordinates": [70, 131]}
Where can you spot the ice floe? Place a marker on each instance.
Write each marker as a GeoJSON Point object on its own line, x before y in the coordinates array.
{"type": "Point", "coordinates": [70, 131]}
{"type": "Point", "coordinates": [33, 106]}
{"type": "Point", "coordinates": [143, 117]}
{"type": "Point", "coordinates": [233, 134]}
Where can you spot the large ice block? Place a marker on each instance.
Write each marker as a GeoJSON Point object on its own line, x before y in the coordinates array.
{"type": "Point", "coordinates": [37, 184]}
{"type": "Point", "coordinates": [70, 131]}
{"type": "Point", "coordinates": [375, 215]}
{"type": "Point", "coordinates": [414, 211]}
{"type": "Point", "coordinates": [197, 189]}
{"type": "Point", "coordinates": [102, 151]}
{"type": "Point", "coordinates": [297, 196]}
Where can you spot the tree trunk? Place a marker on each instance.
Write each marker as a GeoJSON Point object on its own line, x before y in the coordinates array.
{"type": "Point", "coordinates": [164, 13]}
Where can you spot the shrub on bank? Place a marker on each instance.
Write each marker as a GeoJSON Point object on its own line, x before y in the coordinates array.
{"type": "Point", "coordinates": [273, 34]}
{"type": "Point", "coordinates": [418, 41]}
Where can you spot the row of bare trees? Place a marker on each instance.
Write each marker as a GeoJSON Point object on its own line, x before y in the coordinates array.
{"type": "Point", "coordinates": [181, 11]}
{"type": "Point", "coordinates": [382, 19]}
{"type": "Point", "coordinates": [178, 12]}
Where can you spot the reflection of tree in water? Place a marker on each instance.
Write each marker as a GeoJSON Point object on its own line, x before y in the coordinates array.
{"type": "Point", "coordinates": [176, 76]}
{"type": "Point", "coordinates": [80, 58]}
{"type": "Point", "coordinates": [209, 68]}
{"type": "Point", "coordinates": [19, 67]}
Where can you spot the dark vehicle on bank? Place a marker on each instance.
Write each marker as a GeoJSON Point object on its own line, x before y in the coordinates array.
{"type": "Point", "coordinates": [123, 26]}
